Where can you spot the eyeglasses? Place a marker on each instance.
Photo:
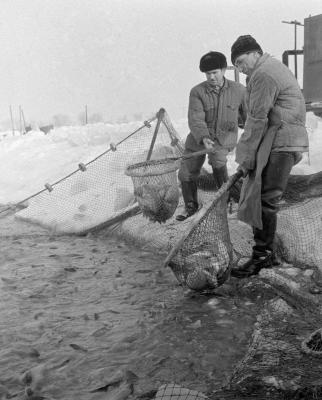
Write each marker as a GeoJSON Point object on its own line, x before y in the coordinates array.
{"type": "Point", "coordinates": [241, 59]}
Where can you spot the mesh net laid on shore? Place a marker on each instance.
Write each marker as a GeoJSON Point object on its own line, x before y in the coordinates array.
{"type": "Point", "coordinates": [99, 193]}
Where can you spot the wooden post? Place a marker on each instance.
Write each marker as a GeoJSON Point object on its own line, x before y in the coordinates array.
{"type": "Point", "coordinates": [23, 120]}
{"type": "Point", "coordinates": [12, 124]}
{"type": "Point", "coordinates": [160, 116]}
{"type": "Point", "coordinates": [236, 75]}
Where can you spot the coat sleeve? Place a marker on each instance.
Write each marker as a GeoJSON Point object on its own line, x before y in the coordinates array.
{"type": "Point", "coordinates": [263, 92]}
{"type": "Point", "coordinates": [242, 111]}
{"type": "Point", "coordinates": [197, 117]}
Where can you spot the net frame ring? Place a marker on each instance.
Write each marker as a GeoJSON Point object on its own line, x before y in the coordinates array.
{"type": "Point", "coordinates": [161, 172]}
{"type": "Point", "coordinates": [152, 167]}
{"type": "Point", "coordinates": [152, 171]}
{"type": "Point", "coordinates": [306, 343]}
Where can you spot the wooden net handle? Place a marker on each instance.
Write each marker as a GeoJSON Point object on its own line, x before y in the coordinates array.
{"type": "Point", "coordinates": [196, 154]}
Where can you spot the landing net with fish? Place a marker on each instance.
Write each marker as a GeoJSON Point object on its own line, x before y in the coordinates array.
{"type": "Point", "coordinates": [203, 256]}
{"type": "Point", "coordinates": [156, 185]}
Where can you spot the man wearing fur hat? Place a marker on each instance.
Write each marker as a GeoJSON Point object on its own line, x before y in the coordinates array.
{"type": "Point", "coordinates": [272, 143]}
{"type": "Point", "coordinates": [215, 108]}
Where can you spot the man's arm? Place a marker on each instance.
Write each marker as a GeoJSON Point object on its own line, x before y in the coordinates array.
{"type": "Point", "coordinates": [242, 111]}
{"type": "Point", "coordinates": [262, 97]}
{"type": "Point", "coordinates": [197, 118]}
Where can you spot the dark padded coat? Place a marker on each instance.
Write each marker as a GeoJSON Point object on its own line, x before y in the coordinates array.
{"type": "Point", "coordinates": [272, 89]}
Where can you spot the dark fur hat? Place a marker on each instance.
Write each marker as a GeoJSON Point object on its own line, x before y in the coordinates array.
{"type": "Point", "coordinates": [244, 44]}
{"type": "Point", "coordinates": [212, 60]}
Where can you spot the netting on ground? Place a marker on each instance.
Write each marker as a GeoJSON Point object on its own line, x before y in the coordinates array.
{"type": "Point", "coordinates": [171, 391]}
{"type": "Point", "coordinates": [275, 365]}
{"type": "Point", "coordinates": [300, 233]}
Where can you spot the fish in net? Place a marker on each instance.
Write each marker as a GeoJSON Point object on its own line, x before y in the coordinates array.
{"type": "Point", "coordinates": [155, 187]}
{"type": "Point", "coordinates": [203, 257]}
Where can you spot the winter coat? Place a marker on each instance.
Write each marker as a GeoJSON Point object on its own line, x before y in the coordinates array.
{"type": "Point", "coordinates": [272, 88]}
{"type": "Point", "coordinates": [215, 114]}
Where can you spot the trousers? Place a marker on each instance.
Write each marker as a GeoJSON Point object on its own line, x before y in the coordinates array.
{"type": "Point", "coordinates": [274, 180]}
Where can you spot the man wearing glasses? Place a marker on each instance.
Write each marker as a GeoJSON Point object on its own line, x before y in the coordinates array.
{"type": "Point", "coordinates": [273, 141]}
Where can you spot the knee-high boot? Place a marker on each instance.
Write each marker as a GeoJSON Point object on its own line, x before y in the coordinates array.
{"type": "Point", "coordinates": [190, 197]}
{"type": "Point", "coordinates": [220, 176]}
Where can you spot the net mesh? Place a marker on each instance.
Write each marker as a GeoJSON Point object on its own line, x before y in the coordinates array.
{"type": "Point", "coordinates": [99, 193]}
{"type": "Point", "coordinates": [202, 259]}
{"type": "Point", "coordinates": [172, 391]}
{"type": "Point", "coordinates": [277, 364]}
{"type": "Point", "coordinates": [156, 187]}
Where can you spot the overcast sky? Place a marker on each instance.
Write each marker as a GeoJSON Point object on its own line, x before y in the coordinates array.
{"type": "Point", "coordinates": [126, 56]}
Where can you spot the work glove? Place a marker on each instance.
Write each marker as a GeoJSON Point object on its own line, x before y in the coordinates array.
{"type": "Point", "coordinates": [243, 170]}
{"type": "Point", "coordinates": [208, 143]}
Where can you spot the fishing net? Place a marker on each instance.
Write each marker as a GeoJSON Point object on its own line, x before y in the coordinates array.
{"type": "Point", "coordinates": [279, 363]}
{"type": "Point", "coordinates": [172, 391]}
{"type": "Point", "coordinates": [203, 256]}
{"type": "Point", "coordinates": [156, 187]}
{"type": "Point", "coordinates": [313, 343]}
{"type": "Point", "coordinates": [98, 194]}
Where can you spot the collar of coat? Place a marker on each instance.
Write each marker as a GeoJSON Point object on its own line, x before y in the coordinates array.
{"type": "Point", "coordinates": [216, 89]}
{"type": "Point", "coordinates": [259, 62]}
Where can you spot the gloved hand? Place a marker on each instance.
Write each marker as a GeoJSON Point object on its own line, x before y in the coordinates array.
{"type": "Point", "coordinates": [244, 170]}
{"type": "Point", "coordinates": [208, 143]}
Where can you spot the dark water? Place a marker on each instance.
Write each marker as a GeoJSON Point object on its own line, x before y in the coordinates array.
{"type": "Point", "coordinates": [75, 310]}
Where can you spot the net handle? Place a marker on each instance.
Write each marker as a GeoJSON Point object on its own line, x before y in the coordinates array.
{"type": "Point", "coordinates": [195, 154]}
{"type": "Point", "coordinates": [222, 191]}
{"type": "Point", "coordinates": [130, 168]}
{"type": "Point", "coordinates": [187, 155]}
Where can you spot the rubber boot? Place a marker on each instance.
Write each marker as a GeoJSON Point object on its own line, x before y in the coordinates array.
{"type": "Point", "coordinates": [190, 197]}
{"type": "Point", "coordinates": [254, 265]}
{"type": "Point", "coordinates": [220, 176]}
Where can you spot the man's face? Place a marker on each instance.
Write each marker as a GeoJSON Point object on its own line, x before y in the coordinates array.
{"type": "Point", "coordinates": [245, 62]}
{"type": "Point", "coordinates": [215, 77]}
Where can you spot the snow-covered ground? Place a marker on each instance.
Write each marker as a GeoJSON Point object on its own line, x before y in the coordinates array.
{"type": "Point", "coordinates": [32, 160]}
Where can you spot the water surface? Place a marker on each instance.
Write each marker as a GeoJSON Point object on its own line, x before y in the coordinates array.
{"type": "Point", "coordinates": [83, 308]}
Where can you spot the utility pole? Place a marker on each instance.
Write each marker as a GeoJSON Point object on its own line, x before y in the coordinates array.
{"type": "Point", "coordinates": [12, 123]}
{"type": "Point", "coordinates": [20, 121]}
{"type": "Point", "coordinates": [86, 114]}
{"type": "Point", "coordinates": [295, 23]}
